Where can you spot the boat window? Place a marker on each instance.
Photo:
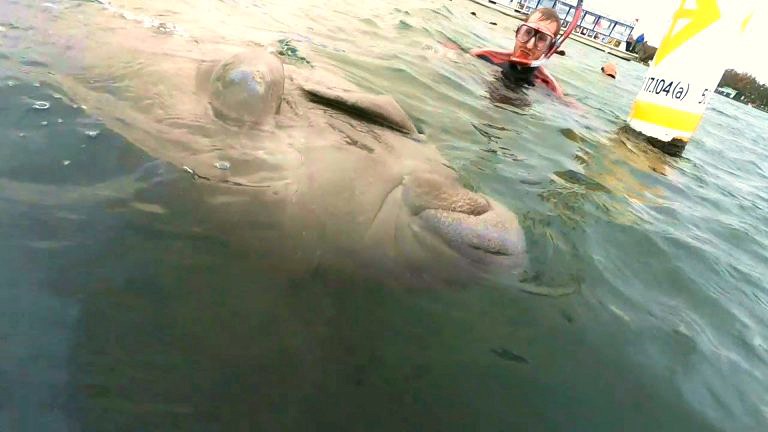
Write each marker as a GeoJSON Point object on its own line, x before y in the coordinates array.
{"type": "Point", "coordinates": [564, 10]}
{"type": "Point", "coordinates": [604, 25]}
{"type": "Point", "coordinates": [589, 20]}
{"type": "Point", "coordinates": [622, 31]}
{"type": "Point", "coordinates": [547, 4]}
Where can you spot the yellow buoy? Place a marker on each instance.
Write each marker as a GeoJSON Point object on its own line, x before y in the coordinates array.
{"type": "Point", "coordinates": [687, 69]}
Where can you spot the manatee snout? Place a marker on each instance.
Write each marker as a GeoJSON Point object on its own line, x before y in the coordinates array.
{"type": "Point", "coordinates": [488, 238]}
{"type": "Point", "coordinates": [472, 225]}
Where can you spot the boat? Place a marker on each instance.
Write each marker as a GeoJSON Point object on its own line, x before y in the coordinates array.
{"type": "Point", "coordinates": [625, 55]}
{"type": "Point", "coordinates": [505, 7]}
{"type": "Point", "coordinates": [598, 31]}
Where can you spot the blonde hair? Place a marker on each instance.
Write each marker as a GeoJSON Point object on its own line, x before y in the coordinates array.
{"type": "Point", "coordinates": [547, 15]}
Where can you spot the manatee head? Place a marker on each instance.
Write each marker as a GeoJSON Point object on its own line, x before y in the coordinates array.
{"type": "Point", "coordinates": [247, 88]}
{"type": "Point", "coordinates": [411, 208]}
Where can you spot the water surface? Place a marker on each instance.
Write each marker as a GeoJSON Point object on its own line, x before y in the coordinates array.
{"type": "Point", "coordinates": [123, 306]}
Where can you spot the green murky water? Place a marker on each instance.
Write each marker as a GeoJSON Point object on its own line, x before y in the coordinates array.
{"type": "Point", "coordinates": [123, 307]}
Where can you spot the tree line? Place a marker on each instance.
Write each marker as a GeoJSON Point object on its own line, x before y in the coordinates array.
{"type": "Point", "coordinates": [750, 89]}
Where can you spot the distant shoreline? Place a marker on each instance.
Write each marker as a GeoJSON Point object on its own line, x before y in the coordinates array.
{"type": "Point", "coordinates": [749, 91]}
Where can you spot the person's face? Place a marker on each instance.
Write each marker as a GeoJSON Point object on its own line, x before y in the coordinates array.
{"type": "Point", "coordinates": [533, 49]}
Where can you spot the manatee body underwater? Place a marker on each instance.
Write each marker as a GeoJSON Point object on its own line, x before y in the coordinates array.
{"type": "Point", "coordinates": [295, 160]}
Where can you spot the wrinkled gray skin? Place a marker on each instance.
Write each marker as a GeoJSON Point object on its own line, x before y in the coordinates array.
{"type": "Point", "coordinates": [399, 193]}
{"type": "Point", "coordinates": [318, 169]}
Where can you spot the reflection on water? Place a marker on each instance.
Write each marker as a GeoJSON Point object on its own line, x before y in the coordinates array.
{"type": "Point", "coordinates": [127, 304]}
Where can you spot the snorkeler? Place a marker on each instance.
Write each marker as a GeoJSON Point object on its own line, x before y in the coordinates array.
{"type": "Point", "coordinates": [534, 41]}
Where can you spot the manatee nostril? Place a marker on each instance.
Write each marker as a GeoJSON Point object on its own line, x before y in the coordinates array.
{"type": "Point", "coordinates": [490, 252]}
{"type": "Point", "coordinates": [427, 192]}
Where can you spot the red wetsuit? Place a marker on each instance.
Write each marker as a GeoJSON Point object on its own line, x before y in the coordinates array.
{"type": "Point", "coordinates": [516, 72]}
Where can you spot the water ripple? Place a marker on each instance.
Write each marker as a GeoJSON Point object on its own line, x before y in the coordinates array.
{"type": "Point", "coordinates": [669, 254]}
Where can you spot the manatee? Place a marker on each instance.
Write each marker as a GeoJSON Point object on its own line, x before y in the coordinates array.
{"type": "Point", "coordinates": [322, 165]}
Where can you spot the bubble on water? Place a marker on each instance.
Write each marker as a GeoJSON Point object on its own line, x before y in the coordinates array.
{"type": "Point", "coordinates": [57, 96]}
{"type": "Point", "coordinates": [222, 165]}
{"type": "Point", "coordinates": [22, 134]}
{"type": "Point", "coordinates": [43, 123]}
{"type": "Point", "coordinates": [164, 27]}
{"type": "Point", "coordinates": [620, 313]}
{"type": "Point", "coordinates": [37, 84]}
{"type": "Point", "coordinates": [11, 83]}
{"type": "Point", "coordinates": [92, 133]}
{"type": "Point", "coordinates": [148, 207]}
{"type": "Point", "coordinates": [59, 120]}
{"type": "Point", "coordinates": [41, 105]}
{"type": "Point", "coordinates": [66, 162]}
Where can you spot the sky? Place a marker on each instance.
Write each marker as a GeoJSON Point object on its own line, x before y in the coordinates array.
{"type": "Point", "coordinates": [656, 15]}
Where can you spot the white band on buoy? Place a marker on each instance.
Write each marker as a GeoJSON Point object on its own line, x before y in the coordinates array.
{"type": "Point", "coordinates": [688, 67]}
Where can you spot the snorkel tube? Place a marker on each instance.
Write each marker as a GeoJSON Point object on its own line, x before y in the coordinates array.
{"type": "Point", "coordinates": [557, 43]}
